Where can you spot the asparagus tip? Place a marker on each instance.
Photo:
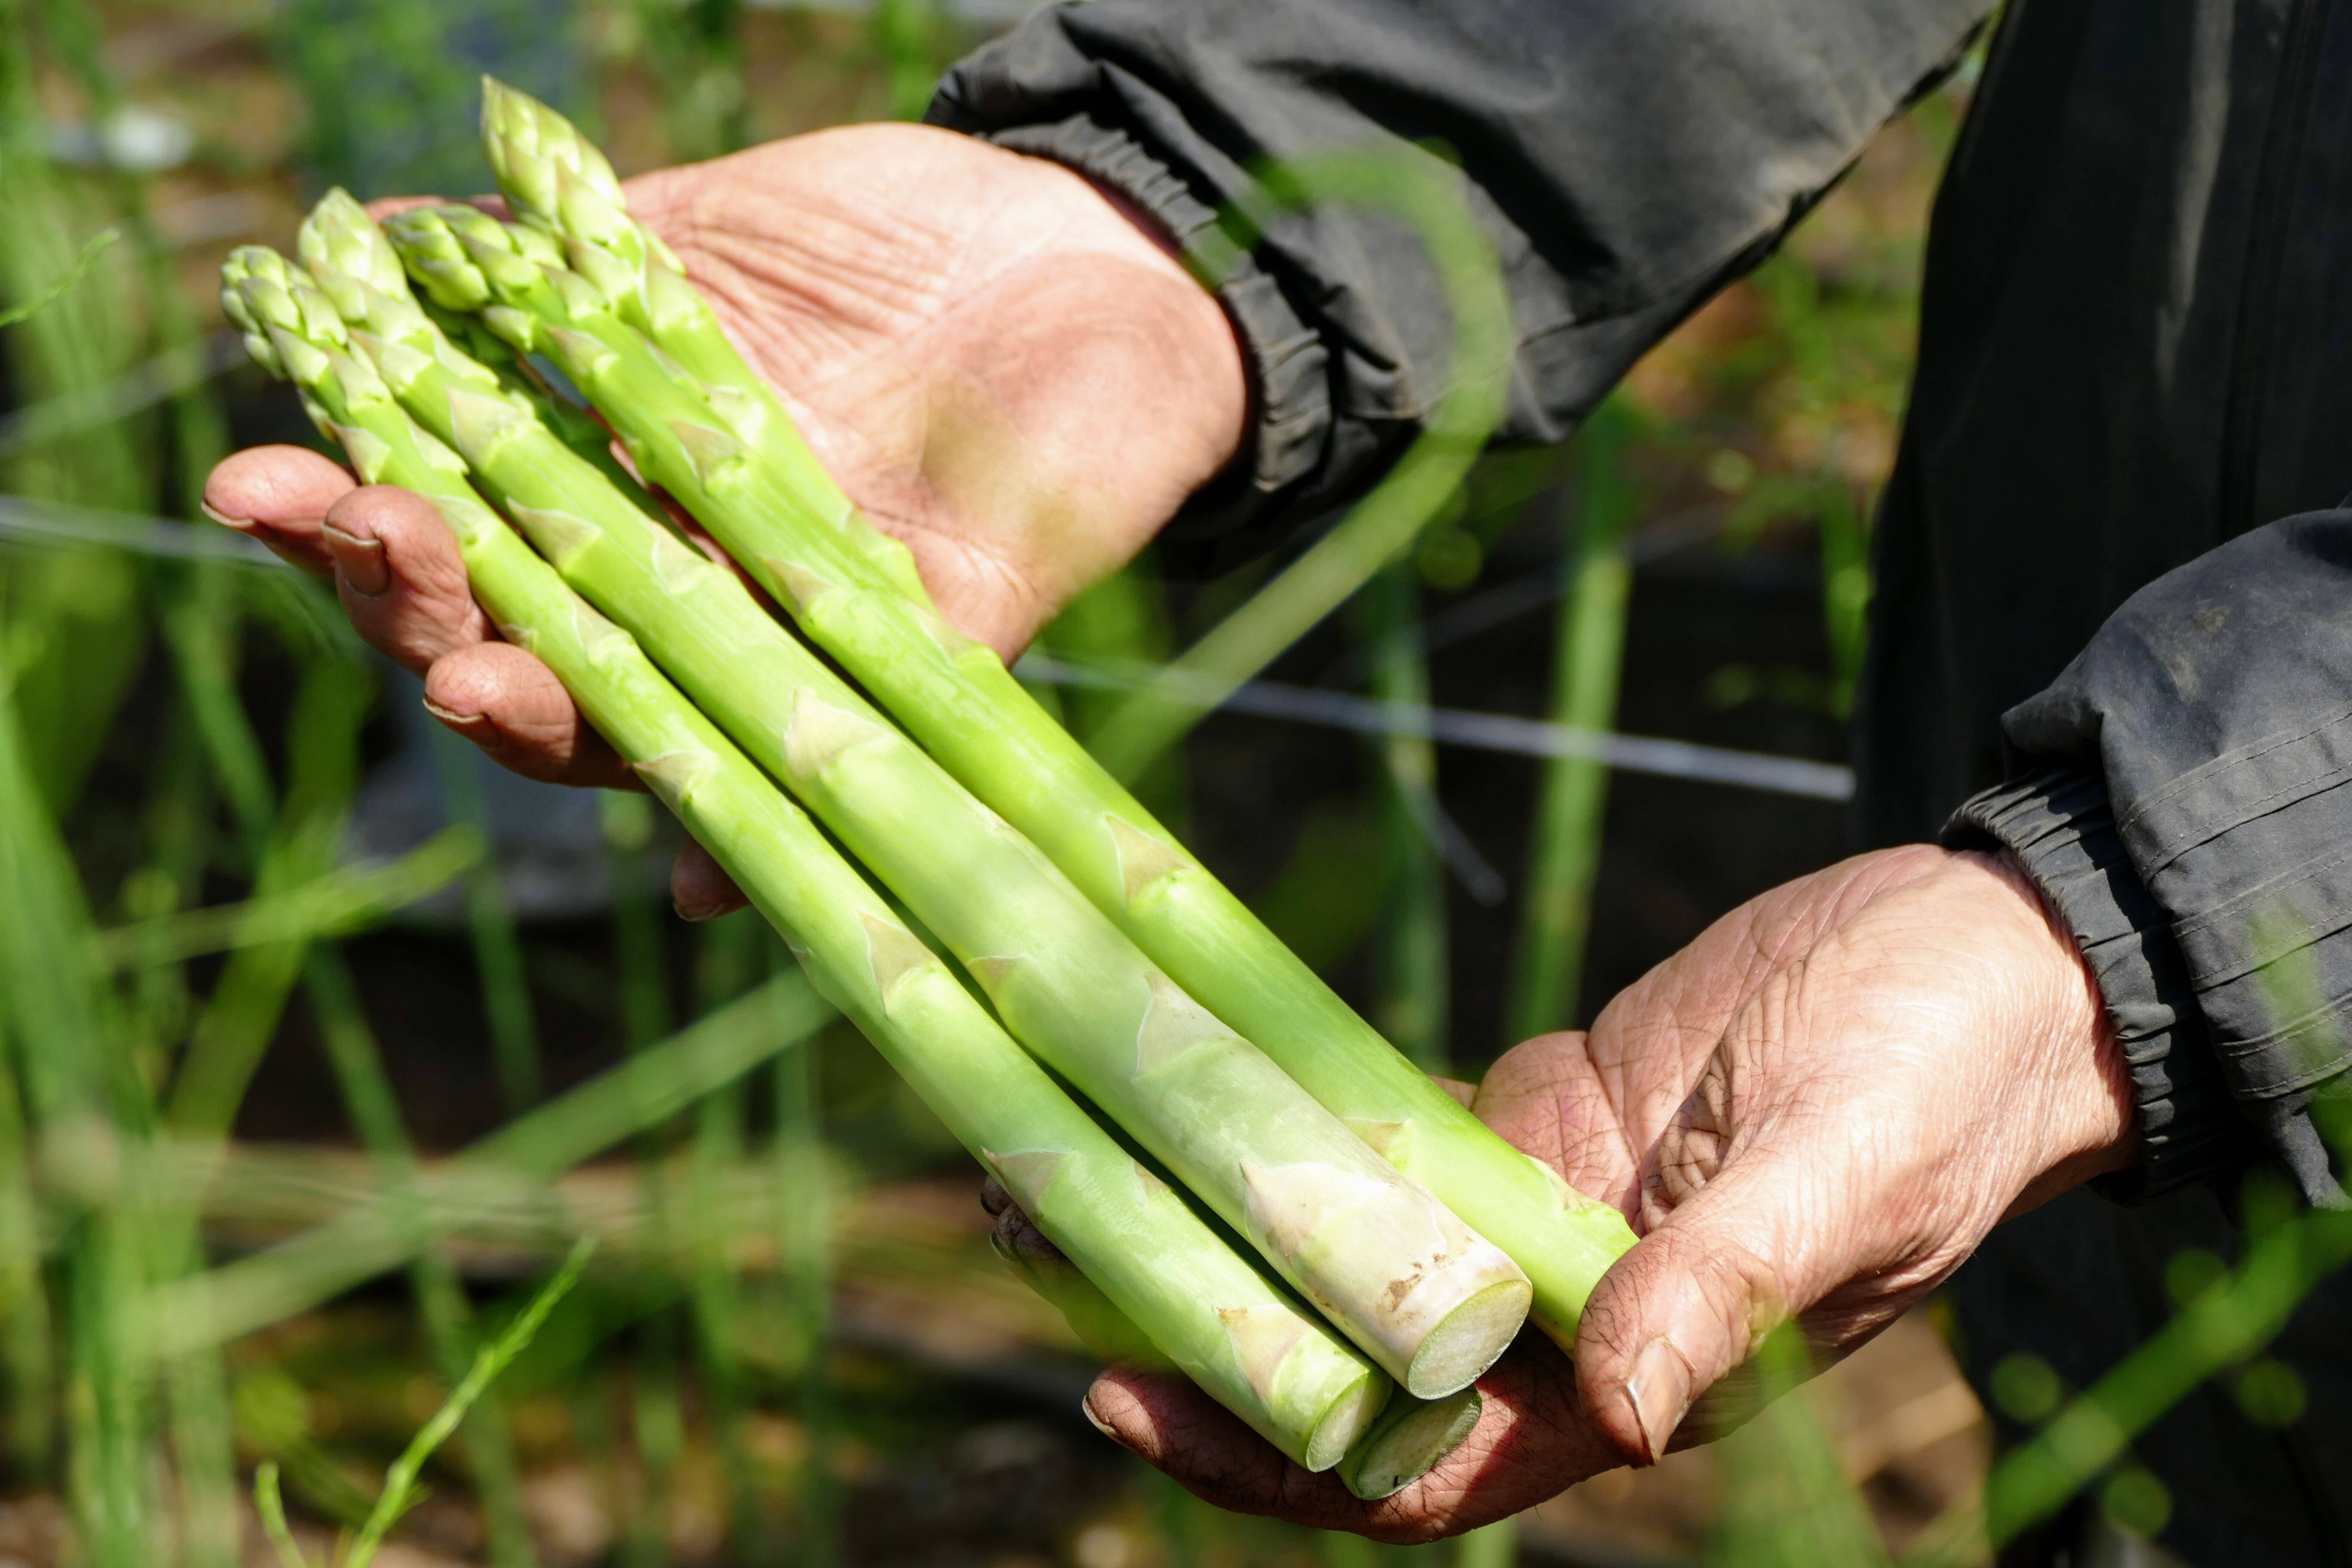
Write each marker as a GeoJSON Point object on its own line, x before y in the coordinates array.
{"type": "Point", "coordinates": [529, 145]}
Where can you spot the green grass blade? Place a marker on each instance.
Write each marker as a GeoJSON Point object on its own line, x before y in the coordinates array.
{"type": "Point", "coordinates": [401, 1492]}
{"type": "Point", "coordinates": [639, 947]}
{"type": "Point", "coordinates": [270, 1504]}
{"type": "Point", "coordinates": [498, 945]}
{"type": "Point", "coordinates": [803, 1255]}
{"type": "Point", "coordinates": [1785, 1500]}
{"type": "Point", "coordinates": [343, 901]}
{"type": "Point", "coordinates": [1384, 522]}
{"type": "Point", "coordinates": [1555, 911]}
{"type": "Point", "coordinates": [1410, 968]}
{"type": "Point", "coordinates": [25, 1324]}
{"type": "Point", "coordinates": [84, 1095]}
{"type": "Point", "coordinates": [240, 1019]}
{"type": "Point", "coordinates": [731, 959]}
{"type": "Point", "coordinates": [296, 1275]}
{"type": "Point", "coordinates": [73, 275]}
{"type": "Point", "coordinates": [72, 622]}
{"type": "Point", "coordinates": [375, 1109]}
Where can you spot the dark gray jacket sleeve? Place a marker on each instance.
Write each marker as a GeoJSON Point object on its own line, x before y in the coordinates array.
{"type": "Point", "coordinates": [1628, 157]}
{"type": "Point", "coordinates": [2184, 793]}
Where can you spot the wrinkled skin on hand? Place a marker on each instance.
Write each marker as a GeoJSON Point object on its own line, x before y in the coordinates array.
{"type": "Point", "coordinates": [990, 355]}
{"type": "Point", "coordinates": [1817, 1110]}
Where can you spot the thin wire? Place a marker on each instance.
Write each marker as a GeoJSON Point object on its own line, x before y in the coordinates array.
{"type": "Point", "coordinates": [1489, 733]}
{"type": "Point", "coordinates": [48, 522]}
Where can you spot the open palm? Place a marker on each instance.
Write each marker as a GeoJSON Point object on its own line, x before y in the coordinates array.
{"type": "Point", "coordinates": [996, 364]}
{"type": "Point", "coordinates": [1816, 1110]}
{"type": "Point", "coordinates": [995, 360]}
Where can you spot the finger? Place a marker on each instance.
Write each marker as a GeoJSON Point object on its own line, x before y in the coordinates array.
{"type": "Point", "coordinates": [400, 576]}
{"type": "Point", "coordinates": [1680, 1310]}
{"type": "Point", "coordinates": [1018, 1236]}
{"type": "Point", "coordinates": [278, 495]}
{"type": "Point", "coordinates": [701, 888]}
{"type": "Point", "coordinates": [1167, 1420]}
{"type": "Point", "coordinates": [511, 705]}
{"type": "Point", "coordinates": [1530, 1443]}
{"type": "Point", "coordinates": [994, 1199]}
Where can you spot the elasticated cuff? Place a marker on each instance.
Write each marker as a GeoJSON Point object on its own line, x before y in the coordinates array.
{"type": "Point", "coordinates": [2059, 827]}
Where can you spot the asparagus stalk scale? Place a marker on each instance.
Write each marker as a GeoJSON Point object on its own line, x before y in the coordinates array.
{"type": "Point", "coordinates": [741, 469]}
{"type": "Point", "coordinates": [1430, 1300]}
{"type": "Point", "coordinates": [1231, 1328]}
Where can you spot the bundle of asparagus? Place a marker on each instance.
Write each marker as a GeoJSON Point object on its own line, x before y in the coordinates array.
{"type": "Point", "coordinates": [621, 319]}
{"type": "Point", "coordinates": [1107, 954]}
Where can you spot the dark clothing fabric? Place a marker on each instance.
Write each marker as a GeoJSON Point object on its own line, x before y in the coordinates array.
{"type": "Point", "coordinates": [2061, 828]}
{"type": "Point", "coordinates": [2215, 709]}
{"type": "Point", "coordinates": [2135, 315]}
{"type": "Point", "coordinates": [1627, 159]}
{"type": "Point", "coordinates": [2132, 306]}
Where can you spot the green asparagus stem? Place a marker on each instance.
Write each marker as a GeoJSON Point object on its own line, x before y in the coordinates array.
{"type": "Point", "coordinates": [1430, 1301]}
{"type": "Point", "coordinates": [1232, 1331]}
{"type": "Point", "coordinates": [728, 457]}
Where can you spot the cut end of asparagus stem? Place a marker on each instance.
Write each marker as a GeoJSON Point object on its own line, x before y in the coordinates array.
{"type": "Point", "coordinates": [1468, 1341]}
{"type": "Point", "coordinates": [1412, 1438]}
{"type": "Point", "coordinates": [1352, 1416]}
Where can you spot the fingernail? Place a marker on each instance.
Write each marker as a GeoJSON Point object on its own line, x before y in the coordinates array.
{"type": "Point", "coordinates": [359, 561]}
{"type": "Point", "coordinates": [694, 915]}
{"type": "Point", "coordinates": [240, 524]}
{"type": "Point", "coordinates": [1658, 1389]}
{"type": "Point", "coordinates": [1087, 1409]}
{"type": "Point", "coordinates": [466, 724]}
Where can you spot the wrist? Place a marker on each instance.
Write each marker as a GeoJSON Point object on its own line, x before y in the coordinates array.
{"type": "Point", "coordinates": [1194, 369]}
{"type": "Point", "coordinates": [2085, 1116]}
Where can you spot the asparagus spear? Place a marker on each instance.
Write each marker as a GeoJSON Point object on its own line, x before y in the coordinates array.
{"type": "Point", "coordinates": [1229, 1327]}
{"type": "Point", "coordinates": [1430, 1300]}
{"type": "Point", "coordinates": [746, 477]}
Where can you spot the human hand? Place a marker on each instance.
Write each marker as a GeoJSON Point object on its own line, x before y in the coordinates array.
{"type": "Point", "coordinates": [995, 361]}
{"type": "Point", "coordinates": [1815, 1110]}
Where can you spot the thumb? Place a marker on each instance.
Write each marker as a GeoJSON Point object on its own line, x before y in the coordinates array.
{"type": "Point", "coordinates": [1673, 1315]}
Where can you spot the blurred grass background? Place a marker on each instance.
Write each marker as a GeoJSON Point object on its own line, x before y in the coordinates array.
{"type": "Point", "coordinates": [323, 1040]}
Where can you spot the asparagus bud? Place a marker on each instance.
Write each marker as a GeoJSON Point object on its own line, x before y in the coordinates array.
{"type": "Point", "coordinates": [1218, 1318]}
